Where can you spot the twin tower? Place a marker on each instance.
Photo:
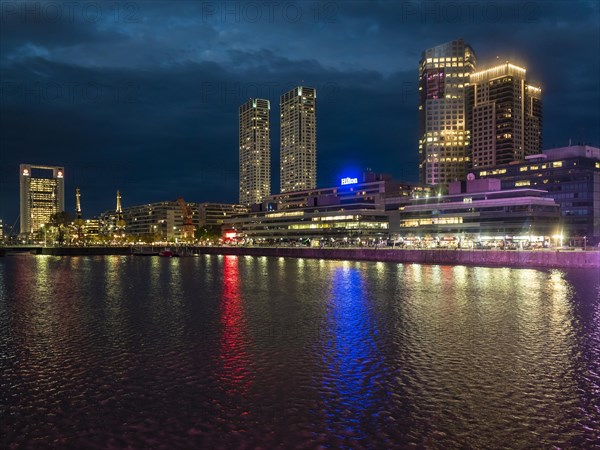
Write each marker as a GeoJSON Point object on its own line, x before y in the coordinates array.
{"type": "Point", "coordinates": [298, 145]}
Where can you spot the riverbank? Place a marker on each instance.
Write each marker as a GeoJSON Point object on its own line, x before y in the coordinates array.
{"type": "Point", "coordinates": [494, 258]}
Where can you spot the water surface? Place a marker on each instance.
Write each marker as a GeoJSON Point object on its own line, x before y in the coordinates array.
{"type": "Point", "coordinates": [246, 352]}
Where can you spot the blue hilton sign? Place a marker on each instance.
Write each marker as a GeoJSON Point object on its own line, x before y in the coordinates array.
{"type": "Point", "coordinates": [349, 180]}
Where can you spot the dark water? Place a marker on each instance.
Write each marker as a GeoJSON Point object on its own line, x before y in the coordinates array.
{"type": "Point", "coordinates": [242, 352]}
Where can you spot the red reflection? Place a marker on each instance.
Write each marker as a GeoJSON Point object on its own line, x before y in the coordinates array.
{"type": "Point", "coordinates": [234, 358]}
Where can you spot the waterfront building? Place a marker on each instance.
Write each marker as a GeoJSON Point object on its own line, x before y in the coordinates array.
{"type": "Point", "coordinates": [444, 73]}
{"type": "Point", "coordinates": [504, 116]}
{"type": "Point", "coordinates": [569, 175]}
{"type": "Point", "coordinates": [160, 221]}
{"type": "Point", "coordinates": [298, 139]}
{"type": "Point", "coordinates": [42, 193]}
{"type": "Point", "coordinates": [92, 228]}
{"type": "Point", "coordinates": [477, 213]}
{"type": "Point", "coordinates": [213, 215]}
{"type": "Point", "coordinates": [255, 151]}
{"type": "Point", "coordinates": [352, 212]}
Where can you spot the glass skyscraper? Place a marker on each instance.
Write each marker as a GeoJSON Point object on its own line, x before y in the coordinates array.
{"type": "Point", "coordinates": [444, 73]}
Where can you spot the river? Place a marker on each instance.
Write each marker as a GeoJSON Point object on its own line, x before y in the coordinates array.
{"type": "Point", "coordinates": [257, 352]}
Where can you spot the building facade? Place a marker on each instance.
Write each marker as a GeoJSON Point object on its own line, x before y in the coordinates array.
{"type": "Point", "coordinates": [160, 221]}
{"type": "Point", "coordinates": [444, 73]}
{"type": "Point", "coordinates": [569, 175]}
{"type": "Point", "coordinates": [477, 213]}
{"type": "Point", "coordinates": [350, 213]}
{"type": "Point", "coordinates": [298, 139]}
{"type": "Point", "coordinates": [504, 116]}
{"type": "Point", "coordinates": [42, 194]}
{"type": "Point", "coordinates": [255, 151]}
{"type": "Point", "coordinates": [213, 215]}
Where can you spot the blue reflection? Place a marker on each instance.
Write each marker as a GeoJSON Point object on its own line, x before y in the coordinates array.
{"type": "Point", "coordinates": [350, 355]}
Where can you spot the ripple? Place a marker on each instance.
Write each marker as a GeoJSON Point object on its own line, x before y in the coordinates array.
{"type": "Point", "coordinates": [226, 352]}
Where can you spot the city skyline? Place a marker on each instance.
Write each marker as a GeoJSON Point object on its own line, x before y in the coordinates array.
{"type": "Point", "coordinates": [170, 133]}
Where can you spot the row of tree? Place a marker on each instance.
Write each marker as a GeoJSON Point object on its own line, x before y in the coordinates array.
{"type": "Point", "coordinates": [63, 229]}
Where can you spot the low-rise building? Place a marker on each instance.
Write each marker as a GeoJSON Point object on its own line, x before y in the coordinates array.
{"type": "Point", "coordinates": [351, 212]}
{"type": "Point", "coordinates": [477, 213]}
{"type": "Point", "coordinates": [160, 221]}
{"type": "Point", "coordinates": [212, 215]}
{"type": "Point", "coordinates": [569, 175]}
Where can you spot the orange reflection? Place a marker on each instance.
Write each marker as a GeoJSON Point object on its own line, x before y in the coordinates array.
{"type": "Point", "coordinates": [235, 360]}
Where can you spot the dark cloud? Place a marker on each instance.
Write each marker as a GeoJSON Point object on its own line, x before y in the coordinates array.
{"type": "Point", "coordinates": [146, 101]}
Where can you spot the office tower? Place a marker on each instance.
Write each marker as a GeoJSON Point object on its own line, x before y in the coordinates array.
{"type": "Point", "coordinates": [298, 140]}
{"type": "Point", "coordinates": [42, 190]}
{"type": "Point", "coordinates": [504, 115]}
{"type": "Point", "coordinates": [255, 151]}
{"type": "Point", "coordinates": [443, 136]}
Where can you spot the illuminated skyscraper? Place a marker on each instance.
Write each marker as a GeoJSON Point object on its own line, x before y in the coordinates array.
{"type": "Point", "coordinates": [443, 136]}
{"type": "Point", "coordinates": [298, 139]}
{"type": "Point", "coordinates": [504, 115]}
{"type": "Point", "coordinates": [255, 151]}
{"type": "Point", "coordinates": [42, 191]}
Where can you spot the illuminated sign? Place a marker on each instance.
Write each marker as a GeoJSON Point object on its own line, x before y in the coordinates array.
{"type": "Point", "coordinates": [349, 180]}
{"type": "Point", "coordinates": [230, 234]}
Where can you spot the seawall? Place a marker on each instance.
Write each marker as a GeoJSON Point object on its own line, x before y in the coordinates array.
{"type": "Point", "coordinates": [495, 258]}
{"type": "Point", "coordinates": [501, 258]}
{"type": "Point", "coordinates": [83, 251]}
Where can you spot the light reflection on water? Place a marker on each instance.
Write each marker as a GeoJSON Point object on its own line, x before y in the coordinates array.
{"type": "Point", "coordinates": [351, 356]}
{"type": "Point", "coordinates": [243, 352]}
{"type": "Point", "coordinates": [234, 358]}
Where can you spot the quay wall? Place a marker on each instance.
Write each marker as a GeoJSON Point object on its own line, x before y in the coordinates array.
{"type": "Point", "coordinates": [500, 258]}
{"type": "Point", "coordinates": [83, 251]}
{"type": "Point", "coordinates": [496, 258]}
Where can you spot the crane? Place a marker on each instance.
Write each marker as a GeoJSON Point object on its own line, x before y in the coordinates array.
{"type": "Point", "coordinates": [188, 224]}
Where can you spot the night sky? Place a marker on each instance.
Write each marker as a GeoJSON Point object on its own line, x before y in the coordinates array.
{"type": "Point", "coordinates": [144, 96]}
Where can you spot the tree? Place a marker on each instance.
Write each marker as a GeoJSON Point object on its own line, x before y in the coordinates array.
{"type": "Point", "coordinates": [208, 233]}
{"type": "Point", "coordinates": [60, 220]}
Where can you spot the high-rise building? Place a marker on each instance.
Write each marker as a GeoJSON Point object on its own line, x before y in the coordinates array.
{"type": "Point", "coordinates": [42, 191]}
{"type": "Point", "coordinates": [298, 140]}
{"type": "Point", "coordinates": [504, 116]}
{"type": "Point", "coordinates": [255, 151]}
{"type": "Point", "coordinates": [444, 73]}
